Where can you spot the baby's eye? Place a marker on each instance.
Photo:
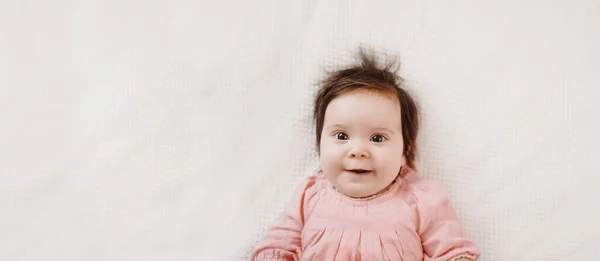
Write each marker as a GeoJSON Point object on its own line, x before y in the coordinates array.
{"type": "Point", "coordinates": [377, 138]}
{"type": "Point", "coordinates": [341, 136]}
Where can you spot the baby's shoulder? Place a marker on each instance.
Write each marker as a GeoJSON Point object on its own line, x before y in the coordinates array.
{"type": "Point", "coordinates": [312, 185]}
{"type": "Point", "coordinates": [426, 192]}
{"type": "Point", "coordinates": [425, 186]}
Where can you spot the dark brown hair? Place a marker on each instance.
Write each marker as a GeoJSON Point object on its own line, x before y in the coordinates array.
{"type": "Point", "coordinates": [369, 75]}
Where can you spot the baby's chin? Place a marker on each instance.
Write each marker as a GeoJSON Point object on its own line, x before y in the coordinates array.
{"type": "Point", "coordinates": [360, 186]}
{"type": "Point", "coordinates": [358, 190]}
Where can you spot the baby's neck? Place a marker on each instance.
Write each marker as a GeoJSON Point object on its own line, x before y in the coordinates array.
{"type": "Point", "coordinates": [377, 194]}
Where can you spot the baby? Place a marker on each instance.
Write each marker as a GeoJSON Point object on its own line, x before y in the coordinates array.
{"type": "Point", "coordinates": [366, 202]}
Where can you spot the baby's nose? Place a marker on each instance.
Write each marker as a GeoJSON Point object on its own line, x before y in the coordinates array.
{"type": "Point", "coordinates": [358, 151]}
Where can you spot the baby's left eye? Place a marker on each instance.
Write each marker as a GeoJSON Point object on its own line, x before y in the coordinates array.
{"type": "Point", "coordinates": [377, 138]}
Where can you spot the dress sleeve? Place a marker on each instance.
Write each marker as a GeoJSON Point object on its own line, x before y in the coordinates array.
{"type": "Point", "coordinates": [439, 228]}
{"type": "Point", "coordinates": [283, 240]}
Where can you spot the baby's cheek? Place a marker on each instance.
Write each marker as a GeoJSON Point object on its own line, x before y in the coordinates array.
{"type": "Point", "coordinates": [328, 161]}
{"type": "Point", "coordinates": [329, 153]}
{"type": "Point", "coordinates": [391, 164]}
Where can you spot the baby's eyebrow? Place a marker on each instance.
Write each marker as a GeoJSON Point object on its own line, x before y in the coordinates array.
{"type": "Point", "coordinates": [384, 129]}
{"type": "Point", "coordinates": [337, 126]}
{"type": "Point", "coordinates": [343, 126]}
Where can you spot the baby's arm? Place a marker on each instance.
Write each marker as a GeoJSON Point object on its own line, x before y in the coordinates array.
{"type": "Point", "coordinates": [283, 240]}
{"type": "Point", "coordinates": [440, 230]}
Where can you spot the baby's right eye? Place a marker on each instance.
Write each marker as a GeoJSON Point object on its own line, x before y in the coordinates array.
{"type": "Point", "coordinates": [341, 136]}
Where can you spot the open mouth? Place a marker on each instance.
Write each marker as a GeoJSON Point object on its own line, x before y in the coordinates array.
{"type": "Point", "coordinates": [360, 171]}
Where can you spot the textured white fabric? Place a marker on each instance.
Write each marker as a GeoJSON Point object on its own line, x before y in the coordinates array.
{"type": "Point", "coordinates": [175, 130]}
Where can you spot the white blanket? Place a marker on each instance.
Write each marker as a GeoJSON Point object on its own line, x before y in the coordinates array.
{"type": "Point", "coordinates": [175, 130]}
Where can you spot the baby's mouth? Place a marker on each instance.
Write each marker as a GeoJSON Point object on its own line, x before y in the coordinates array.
{"type": "Point", "coordinates": [360, 171]}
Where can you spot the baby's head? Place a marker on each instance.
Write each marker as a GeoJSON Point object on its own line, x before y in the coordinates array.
{"type": "Point", "coordinates": [366, 127]}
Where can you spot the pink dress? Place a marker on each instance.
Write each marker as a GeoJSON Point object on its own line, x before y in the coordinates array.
{"type": "Point", "coordinates": [412, 220]}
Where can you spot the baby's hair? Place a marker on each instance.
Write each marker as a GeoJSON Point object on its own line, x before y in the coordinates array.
{"type": "Point", "coordinates": [371, 76]}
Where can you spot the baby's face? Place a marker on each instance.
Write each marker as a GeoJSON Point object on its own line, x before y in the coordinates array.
{"type": "Point", "coordinates": [361, 143]}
